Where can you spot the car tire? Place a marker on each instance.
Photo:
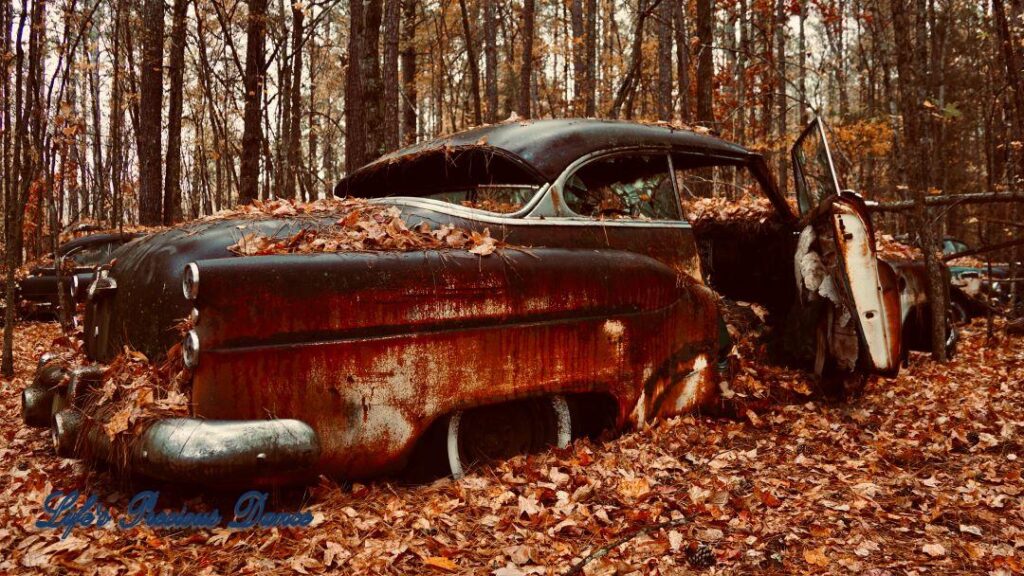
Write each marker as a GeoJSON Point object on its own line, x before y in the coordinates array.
{"type": "Point", "coordinates": [958, 314]}
{"type": "Point", "coordinates": [504, 430]}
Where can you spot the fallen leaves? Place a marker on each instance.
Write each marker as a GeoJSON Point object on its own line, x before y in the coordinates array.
{"type": "Point", "coordinates": [359, 226]}
{"type": "Point", "coordinates": [745, 211]}
{"type": "Point", "coordinates": [889, 248]}
{"type": "Point", "coordinates": [441, 563]}
{"type": "Point", "coordinates": [922, 472]}
{"type": "Point", "coordinates": [816, 556]}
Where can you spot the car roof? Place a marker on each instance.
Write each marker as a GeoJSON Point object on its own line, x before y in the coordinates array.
{"type": "Point", "coordinates": [543, 149]}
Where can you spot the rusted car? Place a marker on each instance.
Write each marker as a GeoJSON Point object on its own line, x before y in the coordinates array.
{"type": "Point", "coordinates": [604, 312]}
{"type": "Point", "coordinates": [39, 290]}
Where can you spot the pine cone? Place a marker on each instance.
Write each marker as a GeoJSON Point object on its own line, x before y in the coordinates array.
{"type": "Point", "coordinates": [701, 557]}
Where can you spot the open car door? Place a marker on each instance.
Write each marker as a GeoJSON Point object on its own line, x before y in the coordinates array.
{"type": "Point", "coordinates": [839, 239]}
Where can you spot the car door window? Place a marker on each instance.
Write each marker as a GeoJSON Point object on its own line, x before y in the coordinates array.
{"type": "Point", "coordinates": [731, 182]}
{"type": "Point", "coordinates": [91, 255]}
{"type": "Point", "coordinates": [627, 186]}
{"type": "Point", "coordinates": [814, 171]}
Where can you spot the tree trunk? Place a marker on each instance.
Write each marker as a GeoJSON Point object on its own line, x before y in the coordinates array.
{"type": "Point", "coordinates": [151, 93]}
{"type": "Point", "coordinates": [294, 96]}
{"type": "Point", "coordinates": [409, 95]}
{"type": "Point", "coordinates": [804, 119]}
{"type": "Point", "coordinates": [99, 207]}
{"type": "Point", "coordinates": [392, 34]}
{"type": "Point", "coordinates": [682, 59]}
{"type": "Point", "coordinates": [665, 11]}
{"type": "Point", "coordinates": [526, 69]}
{"type": "Point", "coordinates": [372, 85]}
{"type": "Point", "coordinates": [474, 65]}
{"type": "Point", "coordinates": [252, 130]}
{"type": "Point", "coordinates": [705, 65]}
{"type": "Point", "coordinates": [6, 103]}
{"type": "Point", "coordinates": [780, 83]}
{"type": "Point", "coordinates": [631, 79]}
{"type": "Point", "coordinates": [590, 42]}
{"type": "Point", "coordinates": [117, 120]}
{"type": "Point", "coordinates": [27, 110]}
{"type": "Point", "coordinates": [911, 98]}
{"type": "Point", "coordinates": [354, 110]}
{"type": "Point", "coordinates": [172, 181]}
{"type": "Point", "coordinates": [491, 61]}
{"type": "Point", "coordinates": [579, 58]}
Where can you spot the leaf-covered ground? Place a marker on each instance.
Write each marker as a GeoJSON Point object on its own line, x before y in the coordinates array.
{"type": "Point", "coordinates": [920, 475]}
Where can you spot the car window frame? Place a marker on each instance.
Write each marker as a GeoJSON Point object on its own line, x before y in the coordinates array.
{"type": "Point", "coordinates": [736, 163]}
{"type": "Point", "coordinates": [815, 126]}
{"type": "Point", "coordinates": [563, 211]}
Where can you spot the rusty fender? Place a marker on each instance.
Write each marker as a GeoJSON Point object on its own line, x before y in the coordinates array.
{"type": "Point", "coordinates": [369, 349]}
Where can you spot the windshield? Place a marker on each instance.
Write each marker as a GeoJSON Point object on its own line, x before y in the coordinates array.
{"type": "Point", "coordinates": [91, 255]}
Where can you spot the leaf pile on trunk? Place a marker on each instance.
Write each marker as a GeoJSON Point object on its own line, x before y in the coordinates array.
{"type": "Point", "coordinates": [360, 226]}
{"type": "Point", "coordinates": [136, 392]}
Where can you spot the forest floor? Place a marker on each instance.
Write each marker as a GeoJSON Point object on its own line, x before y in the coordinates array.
{"type": "Point", "coordinates": [919, 475]}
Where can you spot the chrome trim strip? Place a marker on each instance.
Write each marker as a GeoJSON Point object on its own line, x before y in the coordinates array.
{"type": "Point", "coordinates": [469, 214]}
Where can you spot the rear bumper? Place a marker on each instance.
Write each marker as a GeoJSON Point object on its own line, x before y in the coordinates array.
{"type": "Point", "coordinates": [193, 451]}
{"type": "Point", "coordinates": [177, 450]}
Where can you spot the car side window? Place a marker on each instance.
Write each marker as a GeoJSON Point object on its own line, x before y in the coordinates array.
{"type": "Point", "coordinates": [627, 186]}
{"type": "Point", "coordinates": [729, 181]}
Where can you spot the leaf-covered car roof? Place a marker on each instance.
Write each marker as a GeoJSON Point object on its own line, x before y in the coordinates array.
{"type": "Point", "coordinates": [518, 152]}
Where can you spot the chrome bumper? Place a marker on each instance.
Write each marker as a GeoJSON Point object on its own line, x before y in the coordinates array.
{"type": "Point", "coordinates": [193, 451]}
{"type": "Point", "coordinates": [178, 450]}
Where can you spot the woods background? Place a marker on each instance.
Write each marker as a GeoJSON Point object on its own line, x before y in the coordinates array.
{"type": "Point", "coordinates": [142, 112]}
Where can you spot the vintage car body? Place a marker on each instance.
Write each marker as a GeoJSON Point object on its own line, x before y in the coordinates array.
{"type": "Point", "coordinates": [350, 363]}
{"type": "Point", "coordinates": [39, 290]}
{"type": "Point", "coordinates": [975, 290]}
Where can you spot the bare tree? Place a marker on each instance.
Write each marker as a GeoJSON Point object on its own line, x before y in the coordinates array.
{"type": "Point", "coordinates": [252, 131]}
{"type": "Point", "coordinates": [355, 145]}
{"type": "Point", "coordinates": [590, 42]}
{"type": "Point", "coordinates": [474, 65]}
{"type": "Point", "coordinates": [27, 145]}
{"type": "Point", "coordinates": [172, 181]}
{"type": "Point", "coordinates": [491, 60]}
{"type": "Point", "coordinates": [373, 87]}
{"type": "Point", "coordinates": [911, 101]}
{"type": "Point", "coordinates": [151, 94]}
{"type": "Point", "coordinates": [664, 98]}
{"type": "Point", "coordinates": [389, 71]}
{"type": "Point", "coordinates": [631, 79]}
{"type": "Point", "coordinates": [409, 96]}
{"type": "Point", "coordinates": [705, 64]}
{"type": "Point", "coordinates": [293, 129]}
{"type": "Point", "coordinates": [579, 57]}
{"type": "Point", "coordinates": [780, 60]}
{"type": "Point", "coordinates": [526, 68]}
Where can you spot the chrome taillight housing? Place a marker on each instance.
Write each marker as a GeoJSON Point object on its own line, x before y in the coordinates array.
{"type": "Point", "coordinates": [190, 281]}
{"type": "Point", "coordinates": [190, 349]}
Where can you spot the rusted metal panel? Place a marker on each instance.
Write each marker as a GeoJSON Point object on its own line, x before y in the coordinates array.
{"type": "Point", "coordinates": [870, 285]}
{"type": "Point", "coordinates": [484, 331]}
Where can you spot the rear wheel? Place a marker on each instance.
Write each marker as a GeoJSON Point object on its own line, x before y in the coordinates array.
{"type": "Point", "coordinates": [958, 313]}
{"type": "Point", "coordinates": [504, 430]}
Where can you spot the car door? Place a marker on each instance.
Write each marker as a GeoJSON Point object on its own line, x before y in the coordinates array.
{"type": "Point", "coordinates": [867, 286]}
